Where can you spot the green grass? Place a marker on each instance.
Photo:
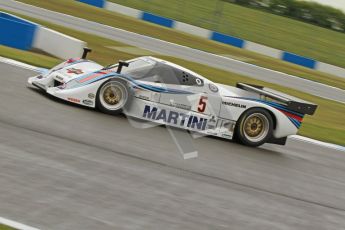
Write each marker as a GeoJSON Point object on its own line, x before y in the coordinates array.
{"type": "Point", "coordinates": [326, 125]}
{"type": "Point", "coordinates": [116, 20]}
{"type": "Point", "coordinates": [4, 227]}
{"type": "Point", "coordinates": [28, 57]}
{"type": "Point", "coordinates": [265, 28]}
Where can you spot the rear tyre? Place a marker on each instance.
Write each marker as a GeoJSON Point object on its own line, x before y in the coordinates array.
{"type": "Point", "coordinates": [113, 96]}
{"type": "Point", "coordinates": [254, 127]}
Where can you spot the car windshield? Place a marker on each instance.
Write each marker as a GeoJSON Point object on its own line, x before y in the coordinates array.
{"type": "Point", "coordinates": [147, 69]}
{"type": "Point", "coordinates": [139, 68]}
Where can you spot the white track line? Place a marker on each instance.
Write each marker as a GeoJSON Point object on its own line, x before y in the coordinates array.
{"type": "Point", "coordinates": [316, 142]}
{"type": "Point", "coordinates": [16, 225]}
{"type": "Point", "coordinates": [296, 137]}
{"type": "Point", "coordinates": [22, 65]}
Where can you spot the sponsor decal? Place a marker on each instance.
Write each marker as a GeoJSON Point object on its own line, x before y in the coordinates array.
{"type": "Point", "coordinates": [75, 100]}
{"type": "Point", "coordinates": [202, 104]}
{"type": "Point", "coordinates": [87, 102]}
{"type": "Point", "coordinates": [226, 135]}
{"type": "Point", "coordinates": [59, 78]}
{"type": "Point", "coordinates": [75, 71]}
{"type": "Point", "coordinates": [213, 88]}
{"type": "Point", "coordinates": [212, 123]}
{"type": "Point", "coordinates": [91, 95]}
{"type": "Point", "coordinates": [198, 81]}
{"type": "Point", "coordinates": [144, 97]}
{"type": "Point", "coordinates": [90, 77]}
{"type": "Point", "coordinates": [229, 126]}
{"type": "Point", "coordinates": [212, 132]}
{"type": "Point", "coordinates": [181, 106]}
{"type": "Point", "coordinates": [175, 118]}
{"type": "Point", "coordinates": [71, 60]}
{"type": "Point", "coordinates": [211, 126]}
{"type": "Point", "coordinates": [234, 104]}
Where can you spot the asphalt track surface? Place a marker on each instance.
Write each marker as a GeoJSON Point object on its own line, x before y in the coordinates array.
{"type": "Point", "coordinates": [66, 167]}
{"type": "Point", "coordinates": [171, 49]}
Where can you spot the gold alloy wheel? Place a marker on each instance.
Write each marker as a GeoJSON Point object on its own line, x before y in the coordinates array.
{"type": "Point", "coordinates": [253, 126]}
{"type": "Point", "coordinates": [112, 95]}
{"type": "Point", "coordinates": [256, 127]}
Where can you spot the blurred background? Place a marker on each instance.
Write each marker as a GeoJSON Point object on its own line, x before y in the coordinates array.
{"type": "Point", "coordinates": [260, 21]}
{"type": "Point", "coordinates": [218, 14]}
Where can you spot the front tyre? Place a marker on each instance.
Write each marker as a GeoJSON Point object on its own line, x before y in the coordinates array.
{"type": "Point", "coordinates": [113, 96]}
{"type": "Point", "coordinates": [255, 127]}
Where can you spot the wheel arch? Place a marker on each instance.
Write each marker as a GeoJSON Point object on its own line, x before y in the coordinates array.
{"type": "Point", "coordinates": [282, 126]}
{"type": "Point", "coordinates": [274, 118]}
{"type": "Point", "coordinates": [239, 133]}
{"type": "Point", "coordinates": [129, 92]}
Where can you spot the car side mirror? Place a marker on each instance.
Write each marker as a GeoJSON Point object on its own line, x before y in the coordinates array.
{"type": "Point", "coordinates": [121, 64]}
{"type": "Point", "coordinates": [85, 52]}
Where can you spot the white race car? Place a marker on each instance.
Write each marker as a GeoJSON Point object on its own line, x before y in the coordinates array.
{"type": "Point", "coordinates": [165, 93]}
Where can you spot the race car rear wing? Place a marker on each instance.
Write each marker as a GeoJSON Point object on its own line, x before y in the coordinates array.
{"type": "Point", "coordinates": [293, 103]}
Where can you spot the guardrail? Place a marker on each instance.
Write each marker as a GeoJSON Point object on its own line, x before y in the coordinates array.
{"type": "Point", "coordinates": [23, 34]}
{"type": "Point", "coordinates": [17, 32]}
{"type": "Point", "coordinates": [219, 37]}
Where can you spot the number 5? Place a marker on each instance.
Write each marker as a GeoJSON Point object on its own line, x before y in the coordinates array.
{"type": "Point", "coordinates": [202, 104]}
